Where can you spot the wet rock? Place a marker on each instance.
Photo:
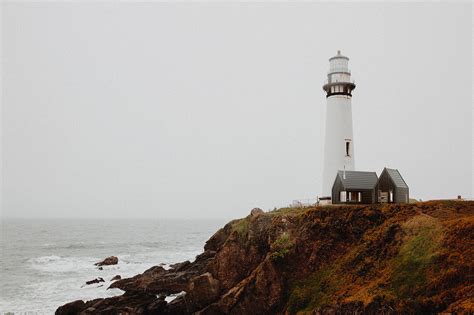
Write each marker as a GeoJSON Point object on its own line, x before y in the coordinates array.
{"type": "Point", "coordinates": [117, 277]}
{"type": "Point", "coordinates": [112, 260]}
{"type": "Point", "coordinates": [71, 308]}
{"type": "Point", "coordinates": [96, 280]}
{"type": "Point", "coordinates": [158, 280]}
{"type": "Point", "coordinates": [124, 304]}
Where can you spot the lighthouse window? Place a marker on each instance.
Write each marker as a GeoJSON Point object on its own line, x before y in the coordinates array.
{"type": "Point", "coordinates": [347, 148]}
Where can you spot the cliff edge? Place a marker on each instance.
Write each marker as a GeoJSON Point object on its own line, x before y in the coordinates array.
{"type": "Point", "coordinates": [410, 258]}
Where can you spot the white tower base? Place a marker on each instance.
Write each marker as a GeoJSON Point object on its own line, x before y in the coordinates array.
{"type": "Point", "coordinates": [338, 137]}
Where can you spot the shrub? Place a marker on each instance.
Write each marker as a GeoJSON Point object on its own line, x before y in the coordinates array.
{"type": "Point", "coordinates": [281, 246]}
{"type": "Point", "coordinates": [241, 227]}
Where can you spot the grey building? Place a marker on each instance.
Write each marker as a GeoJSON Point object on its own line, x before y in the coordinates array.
{"type": "Point", "coordinates": [391, 187]}
{"type": "Point", "coordinates": [354, 187]}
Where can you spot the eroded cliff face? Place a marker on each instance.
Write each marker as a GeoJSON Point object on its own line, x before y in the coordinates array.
{"type": "Point", "coordinates": [334, 259]}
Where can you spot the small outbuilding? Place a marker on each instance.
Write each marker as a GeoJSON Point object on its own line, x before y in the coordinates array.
{"type": "Point", "coordinates": [391, 187]}
{"type": "Point", "coordinates": [354, 187]}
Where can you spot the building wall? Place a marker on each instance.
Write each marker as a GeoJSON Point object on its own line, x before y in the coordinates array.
{"type": "Point", "coordinates": [336, 191]}
{"type": "Point", "coordinates": [401, 195]}
{"type": "Point", "coordinates": [338, 129]}
{"type": "Point", "coordinates": [385, 184]}
{"type": "Point", "coordinates": [368, 195]}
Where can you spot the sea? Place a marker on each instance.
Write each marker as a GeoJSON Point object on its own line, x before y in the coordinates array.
{"type": "Point", "coordinates": [46, 263]}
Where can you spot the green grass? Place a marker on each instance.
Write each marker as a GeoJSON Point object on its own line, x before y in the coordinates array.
{"type": "Point", "coordinates": [281, 246]}
{"type": "Point", "coordinates": [286, 211]}
{"type": "Point", "coordinates": [241, 227]}
{"type": "Point", "coordinates": [313, 292]}
{"type": "Point", "coordinates": [413, 260]}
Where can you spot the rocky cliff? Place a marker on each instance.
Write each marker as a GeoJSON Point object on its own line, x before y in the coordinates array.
{"type": "Point", "coordinates": [414, 258]}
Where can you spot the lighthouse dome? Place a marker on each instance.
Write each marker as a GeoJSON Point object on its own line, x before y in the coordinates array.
{"type": "Point", "coordinates": [338, 56]}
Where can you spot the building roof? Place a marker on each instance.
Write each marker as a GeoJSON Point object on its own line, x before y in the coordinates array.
{"type": "Point", "coordinates": [358, 180]}
{"type": "Point", "coordinates": [338, 56]}
{"type": "Point", "coordinates": [397, 178]}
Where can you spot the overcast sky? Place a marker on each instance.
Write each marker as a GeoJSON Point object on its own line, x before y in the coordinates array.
{"type": "Point", "coordinates": [210, 109]}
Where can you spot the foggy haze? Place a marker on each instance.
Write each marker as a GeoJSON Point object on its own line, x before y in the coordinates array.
{"type": "Point", "coordinates": [189, 110]}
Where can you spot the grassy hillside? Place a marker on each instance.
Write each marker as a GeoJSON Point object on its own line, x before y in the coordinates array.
{"type": "Point", "coordinates": [415, 258]}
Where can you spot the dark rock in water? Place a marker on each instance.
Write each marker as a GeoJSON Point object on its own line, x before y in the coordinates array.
{"type": "Point", "coordinates": [96, 280]}
{"type": "Point", "coordinates": [71, 308]}
{"type": "Point", "coordinates": [117, 277]}
{"type": "Point", "coordinates": [343, 259]}
{"type": "Point", "coordinates": [112, 260]}
{"type": "Point", "coordinates": [125, 304]}
{"type": "Point", "coordinates": [100, 268]}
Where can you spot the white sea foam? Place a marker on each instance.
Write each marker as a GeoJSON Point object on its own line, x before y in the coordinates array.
{"type": "Point", "coordinates": [57, 264]}
{"type": "Point", "coordinates": [46, 259]}
{"type": "Point", "coordinates": [50, 269]}
{"type": "Point", "coordinates": [171, 297]}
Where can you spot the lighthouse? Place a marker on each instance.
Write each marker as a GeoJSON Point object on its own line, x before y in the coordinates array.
{"type": "Point", "coordinates": [339, 140]}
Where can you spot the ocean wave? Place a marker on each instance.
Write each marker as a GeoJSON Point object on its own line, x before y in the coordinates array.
{"type": "Point", "coordinates": [54, 263]}
{"type": "Point", "coordinates": [46, 259]}
{"type": "Point", "coordinates": [52, 269]}
{"type": "Point", "coordinates": [80, 245]}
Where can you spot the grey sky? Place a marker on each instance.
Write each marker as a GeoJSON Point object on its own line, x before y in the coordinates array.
{"type": "Point", "coordinates": [208, 109]}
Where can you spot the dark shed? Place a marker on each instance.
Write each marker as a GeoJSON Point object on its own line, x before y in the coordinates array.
{"type": "Point", "coordinates": [354, 187]}
{"type": "Point", "coordinates": [391, 187]}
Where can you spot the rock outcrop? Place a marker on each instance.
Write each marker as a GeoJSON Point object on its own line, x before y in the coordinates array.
{"type": "Point", "coordinates": [391, 259]}
{"type": "Point", "coordinates": [112, 260]}
{"type": "Point", "coordinates": [96, 280]}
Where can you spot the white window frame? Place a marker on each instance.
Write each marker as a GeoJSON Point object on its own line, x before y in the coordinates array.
{"type": "Point", "coordinates": [343, 196]}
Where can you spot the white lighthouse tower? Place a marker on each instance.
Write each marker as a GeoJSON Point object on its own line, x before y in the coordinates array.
{"type": "Point", "coordinates": [339, 141]}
